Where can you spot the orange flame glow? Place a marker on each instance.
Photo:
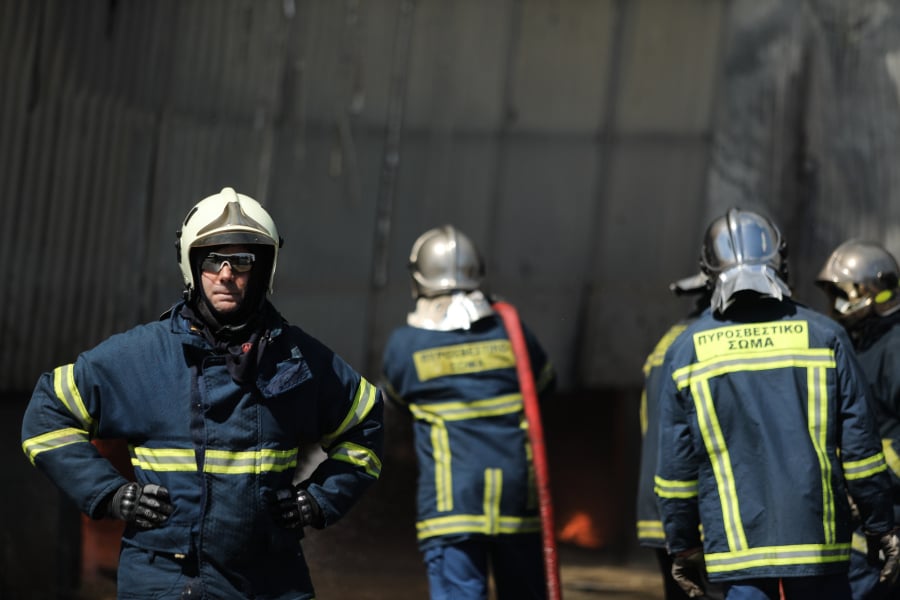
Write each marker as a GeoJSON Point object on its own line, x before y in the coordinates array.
{"type": "Point", "coordinates": [580, 530]}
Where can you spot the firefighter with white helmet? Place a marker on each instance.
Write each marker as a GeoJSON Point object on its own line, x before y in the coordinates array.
{"type": "Point", "coordinates": [215, 401]}
{"type": "Point", "coordinates": [453, 366]}
{"type": "Point", "coordinates": [765, 427]}
{"type": "Point", "coordinates": [860, 280]}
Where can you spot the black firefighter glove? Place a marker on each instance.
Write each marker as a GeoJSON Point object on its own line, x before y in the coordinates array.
{"type": "Point", "coordinates": [885, 547]}
{"type": "Point", "coordinates": [146, 506]}
{"type": "Point", "coordinates": [689, 572]}
{"type": "Point", "coordinates": [295, 508]}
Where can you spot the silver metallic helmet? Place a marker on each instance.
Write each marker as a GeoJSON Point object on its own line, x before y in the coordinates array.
{"type": "Point", "coordinates": [744, 251]}
{"type": "Point", "coordinates": [225, 218]}
{"type": "Point", "coordinates": [860, 279]}
{"type": "Point", "coordinates": [444, 260]}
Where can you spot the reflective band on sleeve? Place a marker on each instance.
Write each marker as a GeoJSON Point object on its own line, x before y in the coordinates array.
{"type": "Point", "coordinates": [866, 467]}
{"type": "Point", "coordinates": [665, 488]}
{"type": "Point", "coordinates": [53, 440]}
{"type": "Point", "coordinates": [67, 393]}
{"type": "Point", "coordinates": [890, 456]}
{"type": "Point", "coordinates": [650, 530]}
{"type": "Point", "coordinates": [365, 398]}
{"type": "Point", "coordinates": [358, 456]}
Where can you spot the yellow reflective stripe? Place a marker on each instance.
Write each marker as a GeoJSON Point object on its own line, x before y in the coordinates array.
{"type": "Point", "coordinates": [858, 542]}
{"type": "Point", "coordinates": [226, 462]}
{"type": "Point", "coordinates": [459, 411]}
{"type": "Point", "coordinates": [812, 358]}
{"type": "Point", "coordinates": [650, 530]}
{"type": "Point", "coordinates": [801, 554]}
{"type": "Point", "coordinates": [67, 393]}
{"type": "Point", "coordinates": [545, 377]}
{"type": "Point", "coordinates": [667, 488]}
{"type": "Point", "coordinates": [720, 458]}
{"type": "Point", "coordinates": [655, 358]}
{"type": "Point", "coordinates": [249, 462]}
{"type": "Point", "coordinates": [643, 412]}
{"type": "Point", "coordinates": [463, 358]}
{"type": "Point", "coordinates": [365, 398]}
{"type": "Point", "coordinates": [493, 490]}
{"type": "Point", "coordinates": [866, 467]}
{"type": "Point", "coordinates": [532, 501]}
{"type": "Point", "coordinates": [817, 423]}
{"type": "Point", "coordinates": [475, 524]}
{"type": "Point", "coordinates": [443, 475]}
{"type": "Point", "coordinates": [358, 456]}
{"type": "Point", "coordinates": [890, 456]}
{"type": "Point", "coordinates": [53, 440]}
{"type": "Point", "coordinates": [163, 459]}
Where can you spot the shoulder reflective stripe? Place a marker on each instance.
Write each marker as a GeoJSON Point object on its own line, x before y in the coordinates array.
{"type": "Point", "coordinates": [817, 424]}
{"type": "Point", "coordinates": [655, 358]}
{"type": "Point", "coordinates": [67, 393]}
{"type": "Point", "coordinates": [866, 467]}
{"type": "Point", "coordinates": [815, 357]}
{"type": "Point", "coordinates": [443, 473]}
{"type": "Point", "coordinates": [365, 398]}
{"type": "Point", "coordinates": [358, 456]}
{"type": "Point", "coordinates": [720, 458]}
{"type": "Point", "coordinates": [249, 462]}
{"type": "Point", "coordinates": [493, 491]}
{"type": "Point", "coordinates": [216, 461]}
{"type": "Point", "coordinates": [53, 440]}
{"type": "Point", "coordinates": [460, 359]}
{"type": "Point", "coordinates": [459, 411]}
{"type": "Point", "coordinates": [890, 456]}
{"type": "Point", "coordinates": [666, 488]}
{"type": "Point", "coordinates": [803, 554]}
{"type": "Point", "coordinates": [650, 530]}
{"type": "Point", "coordinates": [455, 524]}
{"type": "Point", "coordinates": [752, 337]}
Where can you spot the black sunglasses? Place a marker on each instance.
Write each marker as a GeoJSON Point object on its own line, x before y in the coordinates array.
{"type": "Point", "coordinates": [240, 262]}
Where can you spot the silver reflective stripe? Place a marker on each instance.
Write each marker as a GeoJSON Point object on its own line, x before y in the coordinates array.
{"type": "Point", "coordinates": [365, 398]}
{"type": "Point", "coordinates": [53, 440]}
{"type": "Point", "coordinates": [67, 393]}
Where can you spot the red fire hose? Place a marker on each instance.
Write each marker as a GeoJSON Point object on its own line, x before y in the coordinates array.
{"type": "Point", "coordinates": [536, 435]}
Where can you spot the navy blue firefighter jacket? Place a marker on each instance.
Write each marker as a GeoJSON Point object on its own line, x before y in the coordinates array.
{"type": "Point", "coordinates": [476, 476]}
{"type": "Point", "coordinates": [220, 448]}
{"type": "Point", "coordinates": [766, 425]}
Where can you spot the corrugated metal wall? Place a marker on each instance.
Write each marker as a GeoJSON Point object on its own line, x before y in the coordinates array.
{"type": "Point", "coordinates": [584, 144]}
{"type": "Point", "coordinates": [553, 133]}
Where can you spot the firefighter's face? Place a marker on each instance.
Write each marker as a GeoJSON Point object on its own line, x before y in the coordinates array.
{"type": "Point", "coordinates": [224, 276]}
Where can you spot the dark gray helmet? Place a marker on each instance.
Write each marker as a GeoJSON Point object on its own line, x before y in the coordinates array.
{"type": "Point", "coordinates": [444, 260]}
{"type": "Point", "coordinates": [744, 251]}
{"type": "Point", "coordinates": [860, 279]}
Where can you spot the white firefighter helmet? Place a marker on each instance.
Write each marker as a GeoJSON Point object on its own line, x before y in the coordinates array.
{"type": "Point", "coordinates": [860, 279]}
{"type": "Point", "coordinates": [225, 218]}
{"type": "Point", "coordinates": [444, 260]}
{"type": "Point", "coordinates": [744, 251]}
